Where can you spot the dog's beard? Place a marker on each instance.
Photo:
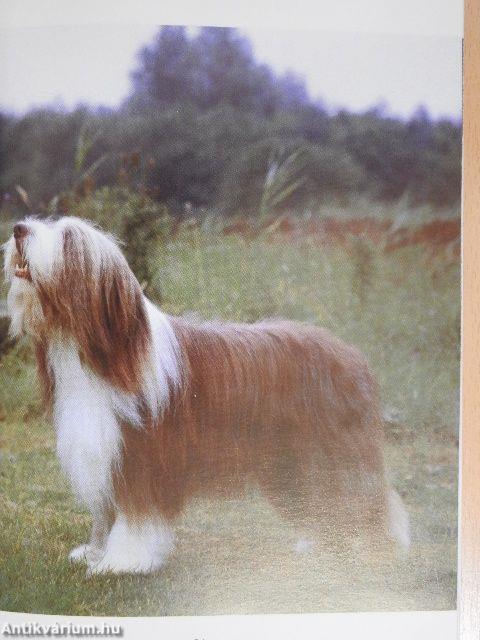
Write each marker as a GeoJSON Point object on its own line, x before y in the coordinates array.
{"type": "Point", "coordinates": [25, 310]}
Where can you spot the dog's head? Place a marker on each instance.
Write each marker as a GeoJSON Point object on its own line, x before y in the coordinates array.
{"type": "Point", "coordinates": [69, 279]}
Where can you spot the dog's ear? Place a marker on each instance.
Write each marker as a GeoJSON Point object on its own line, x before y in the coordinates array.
{"type": "Point", "coordinates": [95, 298]}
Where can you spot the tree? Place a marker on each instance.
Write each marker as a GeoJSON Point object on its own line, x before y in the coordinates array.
{"type": "Point", "coordinates": [204, 123]}
{"type": "Point", "coordinates": [212, 68]}
{"type": "Point", "coordinates": [165, 69]}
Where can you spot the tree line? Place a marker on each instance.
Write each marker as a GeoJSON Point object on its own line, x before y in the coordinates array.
{"type": "Point", "coordinates": [207, 125]}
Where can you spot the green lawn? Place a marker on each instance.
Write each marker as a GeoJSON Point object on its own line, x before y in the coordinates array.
{"type": "Point", "coordinates": [238, 556]}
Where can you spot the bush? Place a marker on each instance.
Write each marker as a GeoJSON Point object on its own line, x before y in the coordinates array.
{"type": "Point", "coordinates": [305, 175]}
{"type": "Point", "coordinates": [135, 220]}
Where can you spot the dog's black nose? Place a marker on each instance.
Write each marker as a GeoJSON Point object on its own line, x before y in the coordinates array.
{"type": "Point", "coordinates": [20, 230]}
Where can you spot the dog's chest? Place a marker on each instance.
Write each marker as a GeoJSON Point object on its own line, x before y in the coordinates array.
{"type": "Point", "coordinates": [88, 434]}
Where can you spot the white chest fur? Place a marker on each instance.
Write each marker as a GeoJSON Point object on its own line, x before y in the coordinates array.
{"type": "Point", "coordinates": [87, 410]}
{"type": "Point", "coordinates": [88, 434]}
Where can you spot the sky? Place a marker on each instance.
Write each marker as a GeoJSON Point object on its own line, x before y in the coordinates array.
{"type": "Point", "coordinates": [90, 64]}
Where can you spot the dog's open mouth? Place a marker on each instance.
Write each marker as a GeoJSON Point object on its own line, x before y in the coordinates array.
{"type": "Point", "coordinates": [21, 268]}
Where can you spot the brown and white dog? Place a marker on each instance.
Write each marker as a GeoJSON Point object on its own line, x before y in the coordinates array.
{"type": "Point", "coordinates": [150, 410]}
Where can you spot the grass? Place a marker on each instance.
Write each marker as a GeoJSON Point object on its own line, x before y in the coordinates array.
{"type": "Point", "coordinates": [237, 556]}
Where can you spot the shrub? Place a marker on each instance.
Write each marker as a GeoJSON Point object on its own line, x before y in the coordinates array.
{"type": "Point", "coordinates": [135, 220]}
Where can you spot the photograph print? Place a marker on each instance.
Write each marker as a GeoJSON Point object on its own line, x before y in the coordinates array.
{"type": "Point", "coordinates": [229, 320]}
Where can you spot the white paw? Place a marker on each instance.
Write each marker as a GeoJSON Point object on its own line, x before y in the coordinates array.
{"type": "Point", "coordinates": [134, 547]}
{"type": "Point", "coordinates": [121, 565]}
{"type": "Point", "coordinates": [79, 554]}
{"type": "Point", "coordinates": [85, 553]}
{"type": "Point", "coordinates": [304, 545]}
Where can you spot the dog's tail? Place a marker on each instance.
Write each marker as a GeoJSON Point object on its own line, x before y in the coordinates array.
{"type": "Point", "coordinates": [398, 520]}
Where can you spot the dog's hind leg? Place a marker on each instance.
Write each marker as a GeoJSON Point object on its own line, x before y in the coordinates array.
{"type": "Point", "coordinates": [398, 520]}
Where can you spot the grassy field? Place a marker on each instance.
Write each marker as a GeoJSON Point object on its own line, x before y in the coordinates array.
{"type": "Point", "coordinates": [237, 556]}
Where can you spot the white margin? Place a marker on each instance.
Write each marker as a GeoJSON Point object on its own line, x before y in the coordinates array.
{"type": "Point", "coordinates": [415, 17]}
{"type": "Point", "coordinates": [418, 625]}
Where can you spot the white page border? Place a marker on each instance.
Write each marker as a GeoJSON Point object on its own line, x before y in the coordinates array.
{"type": "Point", "coordinates": [415, 17]}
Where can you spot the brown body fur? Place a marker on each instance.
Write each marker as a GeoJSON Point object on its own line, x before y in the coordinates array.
{"type": "Point", "coordinates": [287, 406]}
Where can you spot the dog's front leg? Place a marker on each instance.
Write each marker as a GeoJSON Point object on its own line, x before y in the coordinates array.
{"type": "Point", "coordinates": [139, 544]}
{"type": "Point", "coordinates": [101, 525]}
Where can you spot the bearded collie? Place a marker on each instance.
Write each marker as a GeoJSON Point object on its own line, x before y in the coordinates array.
{"type": "Point", "coordinates": [150, 410]}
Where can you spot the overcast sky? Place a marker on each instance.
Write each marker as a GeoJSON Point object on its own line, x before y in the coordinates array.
{"type": "Point", "coordinates": [90, 64]}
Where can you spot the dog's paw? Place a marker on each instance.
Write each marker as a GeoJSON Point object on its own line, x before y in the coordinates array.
{"type": "Point", "coordinates": [85, 553]}
{"type": "Point", "coordinates": [304, 545]}
{"type": "Point", "coordinates": [79, 554]}
{"type": "Point", "coordinates": [120, 565]}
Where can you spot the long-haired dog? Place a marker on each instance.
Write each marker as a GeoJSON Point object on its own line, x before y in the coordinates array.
{"type": "Point", "coordinates": [150, 410]}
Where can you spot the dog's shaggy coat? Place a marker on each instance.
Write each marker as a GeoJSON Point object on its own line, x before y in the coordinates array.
{"type": "Point", "coordinates": [151, 410]}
